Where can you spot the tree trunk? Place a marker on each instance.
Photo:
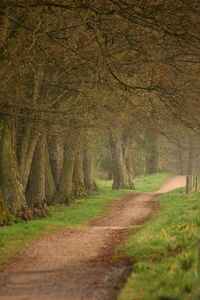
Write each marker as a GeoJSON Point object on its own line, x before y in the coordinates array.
{"type": "Point", "coordinates": [180, 161]}
{"type": "Point", "coordinates": [55, 149]}
{"type": "Point", "coordinates": [79, 189]}
{"type": "Point", "coordinates": [26, 153]}
{"type": "Point", "coordinates": [120, 179]}
{"type": "Point", "coordinates": [88, 171]}
{"type": "Point", "coordinates": [5, 215]}
{"type": "Point", "coordinates": [35, 192]}
{"type": "Point", "coordinates": [88, 167]}
{"type": "Point", "coordinates": [190, 170]}
{"type": "Point", "coordinates": [10, 184]}
{"type": "Point", "coordinates": [152, 157]}
{"type": "Point", "coordinates": [50, 186]}
{"type": "Point", "coordinates": [128, 160]}
{"type": "Point", "coordinates": [64, 194]}
{"type": "Point", "coordinates": [78, 166]}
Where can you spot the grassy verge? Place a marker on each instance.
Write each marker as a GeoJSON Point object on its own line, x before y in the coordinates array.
{"type": "Point", "coordinates": [151, 183]}
{"type": "Point", "coordinates": [15, 237]}
{"type": "Point", "coordinates": [164, 251]}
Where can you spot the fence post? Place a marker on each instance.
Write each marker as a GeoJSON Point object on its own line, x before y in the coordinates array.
{"type": "Point", "coordinates": [187, 184]}
{"type": "Point", "coordinates": [198, 181]}
{"type": "Point", "coordinates": [198, 263]}
{"type": "Point", "coordinates": [198, 244]}
{"type": "Point", "coordinates": [194, 182]}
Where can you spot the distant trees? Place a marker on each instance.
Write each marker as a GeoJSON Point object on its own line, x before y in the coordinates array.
{"type": "Point", "coordinates": [180, 152]}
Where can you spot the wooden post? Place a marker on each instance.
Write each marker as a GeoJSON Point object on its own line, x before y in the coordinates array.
{"type": "Point", "coordinates": [196, 183]}
{"type": "Point", "coordinates": [198, 271]}
{"type": "Point", "coordinates": [192, 183]}
{"type": "Point", "coordinates": [198, 244]}
{"type": "Point", "coordinates": [187, 184]}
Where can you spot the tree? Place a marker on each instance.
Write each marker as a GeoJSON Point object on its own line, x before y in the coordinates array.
{"type": "Point", "coordinates": [122, 164]}
{"type": "Point", "coordinates": [152, 150]}
{"type": "Point", "coordinates": [12, 189]}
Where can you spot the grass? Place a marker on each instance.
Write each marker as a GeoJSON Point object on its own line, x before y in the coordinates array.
{"type": "Point", "coordinates": [15, 237]}
{"type": "Point", "coordinates": [163, 251]}
{"type": "Point", "coordinates": [151, 183]}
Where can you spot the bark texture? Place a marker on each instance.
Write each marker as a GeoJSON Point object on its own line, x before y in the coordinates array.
{"type": "Point", "coordinates": [79, 189]}
{"type": "Point", "coordinates": [50, 186]}
{"type": "Point", "coordinates": [55, 149]}
{"type": "Point", "coordinates": [35, 193]}
{"type": "Point", "coordinates": [10, 183]}
{"type": "Point", "coordinates": [64, 193]}
{"type": "Point", "coordinates": [78, 166]}
{"type": "Point", "coordinates": [120, 179]}
{"type": "Point", "coordinates": [152, 157]}
{"type": "Point", "coordinates": [190, 170]}
{"type": "Point", "coordinates": [5, 215]}
{"type": "Point", "coordinates": [27, 150]}
{"type": "Point", "coordinates": [88, 170]}
{"type": "Point", "coordinates": [128, 160]}
{"type": "Point", "coordinates": [88, 167]}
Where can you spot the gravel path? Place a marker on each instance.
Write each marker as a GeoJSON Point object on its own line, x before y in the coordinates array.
{"type": "Point", "coordinates": [78, 263]}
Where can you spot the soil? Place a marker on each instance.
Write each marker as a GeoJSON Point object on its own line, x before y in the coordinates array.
{"type": "Point", "coordinates": [78, 263]}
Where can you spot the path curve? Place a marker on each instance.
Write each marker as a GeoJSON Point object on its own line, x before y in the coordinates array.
{"type": "Point", "coordinates": [77, 263]}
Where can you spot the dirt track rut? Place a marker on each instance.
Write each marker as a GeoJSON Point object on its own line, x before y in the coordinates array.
{"type": "Point", "coordinates": [77, 263]}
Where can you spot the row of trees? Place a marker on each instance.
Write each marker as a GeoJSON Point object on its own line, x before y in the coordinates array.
{"type": "Point", "coordinates": [177, 152]}
{"type": "Point", "coordinates": [70, 68]}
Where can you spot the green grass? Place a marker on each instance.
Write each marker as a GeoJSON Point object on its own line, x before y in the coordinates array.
{"type": "Point", "coordinates": [15, 237]}
{"type": "Point", "coordinates": [104, 185]}
{"type": "Point", "coordinates": [163, 251]}
{"type": "Point", "coordinates": [151, 183]}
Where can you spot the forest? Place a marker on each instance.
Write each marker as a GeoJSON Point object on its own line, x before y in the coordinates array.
{"type": "Point", "coordinates": [99, 149]}
{"type": "Point", "coordinates": [94, 88]}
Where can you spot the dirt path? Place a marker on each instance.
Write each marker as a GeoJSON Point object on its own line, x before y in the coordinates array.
{"type": "Point", "coordinates": [77, 263]}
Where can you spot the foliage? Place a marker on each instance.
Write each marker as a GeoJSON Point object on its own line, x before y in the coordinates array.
{"type": "Point", "coordinates": [164, 251]}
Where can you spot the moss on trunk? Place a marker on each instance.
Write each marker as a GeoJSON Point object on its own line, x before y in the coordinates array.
{"type": "Point", "coordinates": [5, 215]}
{"type": "Point", "coordinates": [10, 179]}
{"type": "Point", "coordinates": [78, 188]}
